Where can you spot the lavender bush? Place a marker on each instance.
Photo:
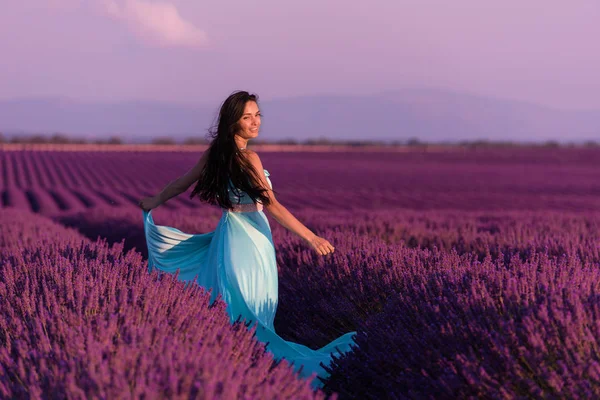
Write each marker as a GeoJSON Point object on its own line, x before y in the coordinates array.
{"type": "Point", "coordinates": [20, 228]}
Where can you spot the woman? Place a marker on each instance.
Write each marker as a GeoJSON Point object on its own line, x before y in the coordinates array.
{"type": "Point", "coordinates": [237, 259]}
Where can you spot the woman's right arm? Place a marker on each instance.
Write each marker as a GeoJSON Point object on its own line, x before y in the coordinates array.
{"type": "Point", "coordinates": [182, 183]}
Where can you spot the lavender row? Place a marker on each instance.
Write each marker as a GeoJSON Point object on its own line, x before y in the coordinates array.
{"type": "Point", "coordinates": [84, 319]}
{"type": "Point", "coordinates": [494, 233]}
{"type": "Point", "coordinates": [456, 321]}
{"type": "Point", "coordinates": [460, 328]}
{"type": "Point", "coordinates": [500, 179]}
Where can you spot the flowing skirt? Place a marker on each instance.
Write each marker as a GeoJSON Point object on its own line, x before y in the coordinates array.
{"type": "Point", "coordinates": [237, 260]}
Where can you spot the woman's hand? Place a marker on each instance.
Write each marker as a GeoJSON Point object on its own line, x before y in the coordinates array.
{"type": "Point", "coordinates": [321, 245]}
{"type": "Point", "coordinates": [148, 203]}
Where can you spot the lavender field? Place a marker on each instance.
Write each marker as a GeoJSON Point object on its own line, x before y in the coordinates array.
{"type": "Point", "coordinates": [466, 273]}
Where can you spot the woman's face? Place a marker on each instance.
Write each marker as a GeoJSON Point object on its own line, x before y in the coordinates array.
{"type": "Point", "coordinates": [250, 121]}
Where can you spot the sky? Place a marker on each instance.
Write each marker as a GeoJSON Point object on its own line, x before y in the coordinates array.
{"type": "Point", "coordinates": [194, 51]}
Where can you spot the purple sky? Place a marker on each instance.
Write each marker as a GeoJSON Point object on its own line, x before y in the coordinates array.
{"type": "Point", "coordinates": [199, 51]}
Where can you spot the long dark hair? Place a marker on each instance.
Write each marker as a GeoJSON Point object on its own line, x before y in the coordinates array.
{"type": "Point", "coordinates": [225, 160]}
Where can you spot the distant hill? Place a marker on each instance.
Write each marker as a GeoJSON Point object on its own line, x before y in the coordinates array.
{"type": "Point", "coordinates": [432, 115]}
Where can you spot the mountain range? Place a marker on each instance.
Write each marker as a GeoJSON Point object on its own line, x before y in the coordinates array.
{"type": "Point", "coordinates": [427, 114]}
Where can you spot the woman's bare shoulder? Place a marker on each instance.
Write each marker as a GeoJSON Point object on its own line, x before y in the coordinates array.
{"type": "Point", "coordinates": [251, 155]}
{"type": "Point", "coordinates": [254, 159]}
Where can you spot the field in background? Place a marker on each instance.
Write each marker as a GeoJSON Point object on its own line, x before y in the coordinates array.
{"type": "Point", "coordinates": [54, 182]}
{"type": "Point", "coordinates": [468, 273]}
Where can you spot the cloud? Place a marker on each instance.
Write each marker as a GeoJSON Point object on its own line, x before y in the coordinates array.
{"type": "Point", "coordinates": [157, 23]}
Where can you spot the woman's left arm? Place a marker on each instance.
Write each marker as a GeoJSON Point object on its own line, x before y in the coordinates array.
{"type": "Point", "coordinates": [284, 217]}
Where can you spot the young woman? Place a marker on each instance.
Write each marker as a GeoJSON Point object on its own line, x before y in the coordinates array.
{"type": "Point", "coordinates": [237, 259]}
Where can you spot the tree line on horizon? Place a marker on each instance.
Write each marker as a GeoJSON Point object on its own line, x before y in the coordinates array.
{"type": "Point", "coordinates": [58, 138]}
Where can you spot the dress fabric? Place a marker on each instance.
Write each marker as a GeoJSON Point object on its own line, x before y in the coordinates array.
{"type": "Point", "coordinates": [237, 260]}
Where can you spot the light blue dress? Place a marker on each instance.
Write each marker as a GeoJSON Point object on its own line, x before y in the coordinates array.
{"type": "Point", "coordinates": [237, 260]}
